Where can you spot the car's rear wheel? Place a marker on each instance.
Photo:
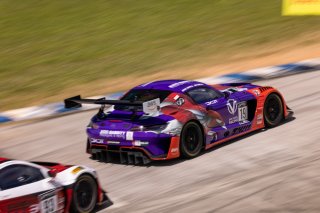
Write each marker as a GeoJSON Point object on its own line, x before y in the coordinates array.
{"type": "Point", "coordinates": [191, 140]}
{"type": "Point", "coordinates": [84, 197]}
{"type": "Point", "coordinates": [273, 110]}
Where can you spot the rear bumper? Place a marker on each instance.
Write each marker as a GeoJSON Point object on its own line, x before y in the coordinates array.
{"type": "Point", "coordinates": [123, 156]}
{"type": "Point", "coordinates": [128, 152]}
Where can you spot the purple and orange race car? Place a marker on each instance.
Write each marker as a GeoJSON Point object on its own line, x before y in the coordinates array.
{"type": "Point", "coordinates": [167, 119]}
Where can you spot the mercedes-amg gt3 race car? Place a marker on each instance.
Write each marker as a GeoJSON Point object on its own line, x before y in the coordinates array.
{"type": "Point", "coordinates": [166, 119]}
{"type": "Point", "coordinates": [48, 187]}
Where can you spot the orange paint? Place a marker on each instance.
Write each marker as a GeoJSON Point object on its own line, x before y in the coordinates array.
{"type": "Point", "coordinates": [174, 150]}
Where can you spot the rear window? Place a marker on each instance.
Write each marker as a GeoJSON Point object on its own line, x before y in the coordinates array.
{"type": "Point", "coordinates": [146, 95]}
{"type": "Point", "coordinates": [142, 95]}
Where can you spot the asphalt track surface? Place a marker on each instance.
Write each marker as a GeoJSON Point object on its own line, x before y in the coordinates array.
{"type": "Point", "coordinates": [274, 170]}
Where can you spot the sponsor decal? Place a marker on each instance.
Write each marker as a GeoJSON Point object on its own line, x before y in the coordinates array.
{"type": "Point", "coordinates": [176, 97]}
{"type": "Point", "coordinates": [191, 86]}
{"type": "Point", "coordinates": [129, 136]}
{"type": "Point", "coordinates": [178, 84]}
{"type": "Point", "coordinates": [113, 142]}
{"type": "Point", "coordinates": [77, 170]}
{"type": "Point", "coordinates": [243, 122]}
{"type": "Point", "coordinates": [146, 84]}
{"type": "Point", "coordinates": [256, 92]}
{"type": "Point", "coordinates": [232, 106]}
{"type": "Point", "coordinates": [140, 143]}
{"type": "Point", "coordinates": [259, 119]}
{"type": "Point", "coordinates": [151, 107]}
{"type": "Point", "coordinates": [113, 134]}
{"type": "Point", "coordinates": [96, 140]}
{"type": "Point", "coordinates": [211, 102]}
{"type": "Point", "coordinates": [301, 7]}
{"type": "Point", "coordinates": [188, 87]}
{"type": "Point", "coordinates": [180, 102]}
{"type": "Point", "coordinates": [241, 129]}
{"type": "Point", "coordinates": [235, 89]}
{"type": "Point", "coordinates": [173, 150]}
{"type": "Point", "coordinates": [233, 120]}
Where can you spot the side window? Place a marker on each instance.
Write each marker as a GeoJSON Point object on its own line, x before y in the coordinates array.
{"type": "Point", "coordinates": [18, 175]}
{"type": "Point", "coordinates": [203, 94]}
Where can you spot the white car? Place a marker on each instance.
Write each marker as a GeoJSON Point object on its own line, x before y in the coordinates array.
{"type": "Point", "coordinates": [49, 187]}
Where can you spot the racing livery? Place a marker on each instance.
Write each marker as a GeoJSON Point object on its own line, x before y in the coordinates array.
{"type": "Point", "coordinates": [34, 187]}
{"type": "Point", "coordinates": [171, 118]}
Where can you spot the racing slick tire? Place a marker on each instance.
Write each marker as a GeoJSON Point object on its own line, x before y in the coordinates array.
{"type": "Point", "coordinates": [84, 197]}
{"type": "Point", "coordinates": [191, 140]}
{"type": "Point", "coordinates": [273, 110]}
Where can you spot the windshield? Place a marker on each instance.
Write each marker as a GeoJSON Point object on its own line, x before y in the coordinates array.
{"type": "Point", "coordinates": [203, 94]}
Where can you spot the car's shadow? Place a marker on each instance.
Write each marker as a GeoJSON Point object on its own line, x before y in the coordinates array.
{"type": "Point", "coordinates": [218, 146]}
{"type": "Point", "coordinates": [104, 205]}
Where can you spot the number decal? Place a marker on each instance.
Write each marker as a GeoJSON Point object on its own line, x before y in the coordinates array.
{"type": "Point", "coordinates": [243, 112]}
{"type": "Point", "coordinates": [49, 205]}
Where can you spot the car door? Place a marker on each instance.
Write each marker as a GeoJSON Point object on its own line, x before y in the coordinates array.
{"type": "Point", "coordinates": [25, 188]}
{"type": "Point", "coordinates": [235, 112]}
{"type": "Point", "coordinates": [213, 105]}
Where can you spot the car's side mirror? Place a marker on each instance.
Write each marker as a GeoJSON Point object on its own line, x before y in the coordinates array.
{"type": "Point", "coordinates": [226, 94]}
{"type": "Point", "coordinates": [52, 173]}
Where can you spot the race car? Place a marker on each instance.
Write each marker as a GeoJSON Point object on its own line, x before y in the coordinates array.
{"type": "Point", "coordinates": [48, 187]}
{"type": "Point", "coordinates": [167, 119]}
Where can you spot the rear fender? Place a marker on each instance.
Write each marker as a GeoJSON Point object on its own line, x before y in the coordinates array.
{"type": "Point", "coordinates": [261, 95]}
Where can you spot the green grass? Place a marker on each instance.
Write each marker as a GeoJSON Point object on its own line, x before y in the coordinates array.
{"type": "Point", "coordinates": [47, 47]}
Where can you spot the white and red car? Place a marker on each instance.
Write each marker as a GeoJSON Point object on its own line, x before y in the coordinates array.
{"type": "Point", "coordinates": [48, 187]}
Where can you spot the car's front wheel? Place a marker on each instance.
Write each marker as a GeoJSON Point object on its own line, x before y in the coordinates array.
{"type": "Point", "coordinates": [273, 110]}
{"type": "Point", "coordinates": [84, 197]}
{"type": "Point", "coordinates": [191, 140]}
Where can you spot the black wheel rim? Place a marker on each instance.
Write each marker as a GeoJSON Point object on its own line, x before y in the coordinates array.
{"type": "Point", "coordinates": [273, 109]}
{"type": "Point", "coordinates": [84, 193]}
{"type": "Point", "coordinates": [192, 139]}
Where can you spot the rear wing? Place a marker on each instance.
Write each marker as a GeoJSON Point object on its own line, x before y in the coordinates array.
{"type": "Point", "coordinates": [149, 107]}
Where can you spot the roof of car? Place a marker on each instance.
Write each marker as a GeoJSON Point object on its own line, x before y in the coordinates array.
{"type": "Point", "coordinates": [172, 85]}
